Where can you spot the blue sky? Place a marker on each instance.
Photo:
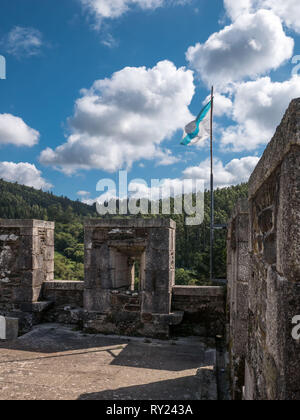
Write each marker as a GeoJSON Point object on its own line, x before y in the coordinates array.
{"type": "Point", "coordinates": [166, 55]}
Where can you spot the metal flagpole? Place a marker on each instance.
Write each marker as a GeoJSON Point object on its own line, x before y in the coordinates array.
{"type": "Point", "coordinates": [212, 212]}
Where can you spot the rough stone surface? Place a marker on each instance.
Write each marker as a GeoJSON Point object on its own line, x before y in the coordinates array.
{"type": "Point", "coordinates": [272, 356]}
{"type": "Point", "coordinates": [274, 290]}
{"type": "Point", "coordinates": [112, 246]}
{"type": "Point", "coordinates": [204, 310]}
{"type": "Point", "coordinates": [239, 272]}
{"type": "Point", "coordinates": [64, 292]}
{"type": "Point", "coordinates": [56, 363]}
{"type": "Point", "coordinates": [26, 262]}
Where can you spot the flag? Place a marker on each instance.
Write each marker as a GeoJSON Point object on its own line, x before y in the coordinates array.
{"type": "Point", "coordinates": [199, 129]}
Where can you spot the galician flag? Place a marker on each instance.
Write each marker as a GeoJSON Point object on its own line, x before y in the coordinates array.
{"type": "Point", "coordinates": [198, 130]}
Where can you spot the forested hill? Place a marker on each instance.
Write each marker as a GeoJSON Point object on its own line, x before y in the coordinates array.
{"type": "Point", "coordinates": [192, 243]}
{"type": "Point", "coordinates": [20, 202]}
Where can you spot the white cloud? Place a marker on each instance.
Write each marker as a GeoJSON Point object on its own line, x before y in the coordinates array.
{"type": "Point", "coordinates": [23, 41]}
{"type": "Point", "coordinates": [235, 172]}
{"type": "Point", "coordinates": [23, 173]}
{"type": "Point", "coordinates": [83, 193]}
{"type": "Point", "coordinates": [222, 104]}
{"type": "Point", "coordinates": [108, 9]}
{"type": "Point", "coordinates": [258, 109]}
{"type": "Point", "coordinates": [13, 130]}
{"type": "Point", "coordinates": [167, 188]}
{"type": "Point", "coordinates": [287, 10]}
{"type": "Point", "coordinates": [251, 46]}
{"type": "Point", "coordinates": [125, 119]}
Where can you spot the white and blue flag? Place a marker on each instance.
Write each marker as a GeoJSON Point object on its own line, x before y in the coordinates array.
{"type": "Point", "coordinates": [199, 129]}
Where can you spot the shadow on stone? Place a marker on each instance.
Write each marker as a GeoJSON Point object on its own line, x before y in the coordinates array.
{"type": "Point", "coordinates": [177, 389]}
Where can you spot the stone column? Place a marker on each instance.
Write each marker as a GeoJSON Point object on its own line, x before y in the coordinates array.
{"type": "Point", "coordinates": [159, 269]}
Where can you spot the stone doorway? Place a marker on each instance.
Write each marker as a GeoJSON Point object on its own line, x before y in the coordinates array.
{"type": "Point", "coordinates": [115, 249]}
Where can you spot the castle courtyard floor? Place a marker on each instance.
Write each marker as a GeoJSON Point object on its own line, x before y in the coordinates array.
{"type": "Point", "coordinates": [53, 362]}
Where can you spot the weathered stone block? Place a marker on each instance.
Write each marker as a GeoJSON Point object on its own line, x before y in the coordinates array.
{"type": "Point", "coordinates": [23, 259]}
{"type": "Point", "coordinates": [97, 300]}
{"type": "Point", "coordinates": [9, 328]}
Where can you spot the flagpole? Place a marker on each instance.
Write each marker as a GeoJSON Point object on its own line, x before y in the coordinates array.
{"type": "Point", "coordinates": [212, 212]}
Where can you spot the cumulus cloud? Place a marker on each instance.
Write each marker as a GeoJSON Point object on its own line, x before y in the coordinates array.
{"type": "Point", "coordinates": [13, 130]}
{"type": "Point", "coordinates": [24, 174]}
{"type": "Point", "coordinates": [193, 180]}
{"type": "Point", "coordinates": [258, 108]}
{"type": "Point", "coordinates": [287, 10]}
{"type": "Point", "coordinates": [251, 46]}
{"type": "Point", "coordinates": [107, 9]}
{"type": "Point", "coordinates": [222, 104]}
{"type": "Point", "coordinates": [125, 119]}
{"type": "Point", "coordinates": [235, 172]}
{"type": "Point", "coordinates": [23, 41]}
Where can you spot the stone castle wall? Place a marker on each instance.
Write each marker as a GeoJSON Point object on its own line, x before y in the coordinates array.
{"type": "Point", "coordinates": [108, 301]}
{"type": "Point", "coordinates": [273, 356]}
{"type": "Point", "coordinates": [238, 267]}
{"type": "Point", "coordinates": [273, 299]}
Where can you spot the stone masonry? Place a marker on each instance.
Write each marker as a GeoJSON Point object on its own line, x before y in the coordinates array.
{"type": "Point", "coordinates": [204, 310]}
{"type": "Point", "coordinates": [238, 266]}
{"type": "Point", "coordinates": [273, 358]}
{"type": "Point", "coordinates": [272, 354]}
{"type": "Point", "coordinates": [112, 248]}
{"type": "Point", "coordinates": [129, 281]}
{"type": "Point", "coordinates": [26, 262]}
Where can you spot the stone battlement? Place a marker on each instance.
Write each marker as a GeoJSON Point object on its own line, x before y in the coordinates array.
{"type": "Point", "coordinates": [109, 300]}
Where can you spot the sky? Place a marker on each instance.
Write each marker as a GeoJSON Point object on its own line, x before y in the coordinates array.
{"type": "Point", "coordinates": [97, 86]}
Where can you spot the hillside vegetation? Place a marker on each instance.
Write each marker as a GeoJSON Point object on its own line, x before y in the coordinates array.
{"type": "Point", "coordinates": [192, 243]}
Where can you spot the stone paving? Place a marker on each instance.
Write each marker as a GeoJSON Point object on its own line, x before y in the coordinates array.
{"type": "Point", "coordinates": [54, 362]}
